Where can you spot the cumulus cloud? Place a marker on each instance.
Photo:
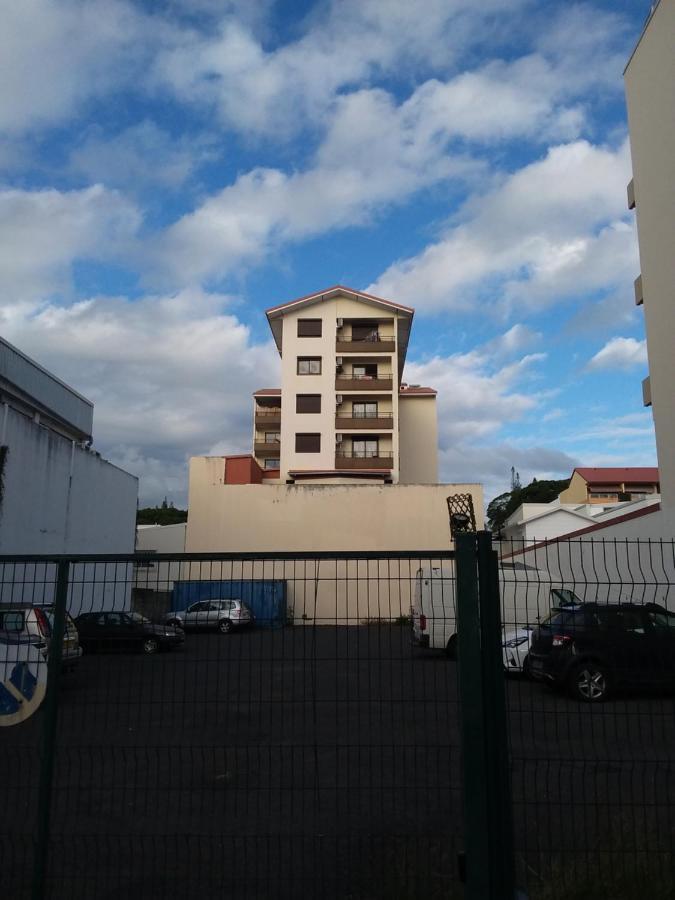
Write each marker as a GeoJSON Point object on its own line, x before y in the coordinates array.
{"type": "Point", "coordinates": [170, 377]}
{"type": "Point", "coordinates": [56, 56]}
{"type": "Point", "coordinates": [140, 156]}
{"type": "Point", "coordinates": [552, 229]}
{"type": "Point", "coordinates": [43, 232]}
{"type": "Point", "coordinates": [620, 353]}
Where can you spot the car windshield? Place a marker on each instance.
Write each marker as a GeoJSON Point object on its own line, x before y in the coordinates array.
{"type": "Point", "coordinates": [559, 617]}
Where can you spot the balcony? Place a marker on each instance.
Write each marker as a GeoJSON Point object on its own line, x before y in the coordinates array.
{"type": "Point", "coordinates": [364, 459]}
{"type": "Point", "coordinates": [267, 449]}
{"type": "Point", "coordinates": [384, 422]}
{"type": "Point", "coordinates": [374, 343]}
{"type": "Point", "coordinates": [270, 415]}
{"type": "Point", "coordinates": [380, 382]}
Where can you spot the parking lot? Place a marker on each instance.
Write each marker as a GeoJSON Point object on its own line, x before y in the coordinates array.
{"type": "Point", "coordinates": [319, 762]}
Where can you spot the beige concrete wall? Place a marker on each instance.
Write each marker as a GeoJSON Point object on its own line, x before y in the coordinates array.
{"type": "Point", "coordinates": [418, 440]}
{"type": "Point", "coordinates": [313, 518]}
{"type": "Point", "coordinates": [650, 93]}
{"type": "Point", "coordinates": [577, 492]}
{"type": "Point", "coordinates": [317, 517]}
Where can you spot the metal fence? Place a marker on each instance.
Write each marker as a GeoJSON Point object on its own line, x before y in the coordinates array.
{"type": "Point", "coordinates": [319, 751]}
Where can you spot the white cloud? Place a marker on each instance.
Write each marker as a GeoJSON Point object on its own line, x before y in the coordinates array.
{"type": "Point", "coordinates": [140, 156]}
{"type": "Point", "coordinates": [551, 229]}
{"type": "Point", "coordinates": [620, 353]}
{"type": "Point", "coordinates": [43, 232]}
{"type": "Point", "coordinates": [170, 377]}
{"type": "Point", "coordinates": [55, 56]}
{"type": "Point", "coordinates": [347, 43]}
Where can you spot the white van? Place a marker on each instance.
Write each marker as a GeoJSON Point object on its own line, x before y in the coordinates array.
{"type": "Point", "coordinates": [526, 596]}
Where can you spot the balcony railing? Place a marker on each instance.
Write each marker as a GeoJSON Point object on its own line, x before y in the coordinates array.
{"type": "Point", "coordinates": [373, 343]}
{"type": "Point", "coordinates": [380, 422]}
{"type": "Point", "coordinates": [380, 382]}
{"type": "Point", "coordinates": [270, 449]}
{"type": "Point", "coordinates": [267, 416]}
{"type": "Point", "coordinates": [364, 459]}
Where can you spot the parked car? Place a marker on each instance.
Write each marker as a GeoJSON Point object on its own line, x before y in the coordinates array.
{"type": "Point", "coordinates": [517, 642]}
{"type": "Point", "coordinates": [225, 615]}
{"type": "Point", "coordinates": [36, 623]}
{"type": "Point", "coordinates": [594, 648]}
{"type": "Point", "coordinates": [516, 649]}
{"type": "Point", "coordinates": [116, 630]}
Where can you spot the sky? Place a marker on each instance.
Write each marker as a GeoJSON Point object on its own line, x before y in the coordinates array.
{"type": "Point", "coordinates": [170, 170]}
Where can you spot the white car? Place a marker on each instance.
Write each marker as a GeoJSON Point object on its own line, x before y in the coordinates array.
{"type": "Point", "coordinates": [515, 649]}
{"type": "Point", "coordinates": [225, 615]}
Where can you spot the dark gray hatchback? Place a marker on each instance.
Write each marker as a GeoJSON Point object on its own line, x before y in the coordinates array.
{"type": "Point", "coordinates": [597, 647]}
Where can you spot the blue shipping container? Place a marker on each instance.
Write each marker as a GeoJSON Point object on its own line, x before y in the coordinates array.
{"type": "Point", "coordinates": [265, 599]}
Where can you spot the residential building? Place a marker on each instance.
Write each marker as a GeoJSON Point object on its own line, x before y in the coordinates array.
{"type": "Point", "coordinates": [611, 485]}
{"type": "Point", "coordinates": [58, 495]}
{"type": "Point", "coordinates": [650, 94]}
{"type": "Point", "coordinates": [345, 458]}
{"type": "Point", "coordinates": [342, 413]}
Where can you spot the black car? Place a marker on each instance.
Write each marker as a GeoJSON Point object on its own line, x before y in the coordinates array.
{"type": "Point", "coordinates": [115, 630]}
{"type": "Point", "coordinates": [594, 648]}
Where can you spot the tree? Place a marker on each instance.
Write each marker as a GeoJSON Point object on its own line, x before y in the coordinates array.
{"type": "Point", "coordinates": [503, 505]}
{"type": "Point", "coordinates": [161, 515]}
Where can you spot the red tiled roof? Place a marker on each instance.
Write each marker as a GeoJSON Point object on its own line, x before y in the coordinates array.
{"type": "Point", "coordinates": [339, 287]}
{"type": "Point", "coordinates": [406, 390]}
{"type": "Point", "coordinates": [268, 392]}
{"type": "Point", "coordinates": [634, 475]}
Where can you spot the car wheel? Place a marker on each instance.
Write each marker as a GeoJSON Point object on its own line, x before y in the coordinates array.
{"type": "Point", "coordinates": [150, 645]}
{"type": "Point", "coordinates": [451, 647]}
{"type": "Point", "coordinates": [590, 682]}
{"type": "Point", "coordinates": [225, 626]}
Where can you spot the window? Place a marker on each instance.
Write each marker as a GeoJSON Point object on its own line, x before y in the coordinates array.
{"type": "Point", "coordinates": [272, 463]}
{"type": "Point", "coordinates": [367, 448]}
{"type": "Point", "coordinates": [309, 365]}
{"type": "Point", "coordinates": [366, 371]}
{"type": "Point", "coordinates": [11, 621]}
{"type": "Point", "coordinates": [272, 437]}
{"type": "Point", "coordinates": [661, 618]}
{"type": "Point", "coordinates": [309, 327]}
{"type": "Point", "coordinates": [364, 410]}
{"type": "Point", "coordinates": [308, 443]}
{"type": "Point", "coordinates": [308, 403]}
{"type": "Point", "coordinates": [365, 332]}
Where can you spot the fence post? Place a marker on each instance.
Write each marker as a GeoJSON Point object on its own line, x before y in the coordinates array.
{"type": "Point", "coordinates": [49, 713]}
{"type": "Point", "coordinates": [487, 807]}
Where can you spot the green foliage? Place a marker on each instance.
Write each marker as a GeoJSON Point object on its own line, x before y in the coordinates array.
{"type": "Point", "coordinates": [161, 515]}
{"type": "Point", "coordinates": [502, 506]}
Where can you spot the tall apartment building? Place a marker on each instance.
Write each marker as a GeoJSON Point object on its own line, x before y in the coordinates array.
{"type": "Point", "coordinates": [345, 455]}
{"type": "Point", "coordinates": [650, 93]}
{"type": "Point", "coordinates": [342, 413]}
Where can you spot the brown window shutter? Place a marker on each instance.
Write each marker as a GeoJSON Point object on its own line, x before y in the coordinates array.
{"type": "Point", "coordinates": [307, 443]}
{"type": "Point", "coordinates": [309, 327]}
{"type": "Point", "coordinates": [308, 403]}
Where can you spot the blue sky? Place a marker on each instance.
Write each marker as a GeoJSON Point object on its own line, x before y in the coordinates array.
{"type": "Point", "coordinates": [168, 171]}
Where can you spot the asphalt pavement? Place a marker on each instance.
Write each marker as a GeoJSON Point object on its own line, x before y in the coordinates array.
{"type": "Point", "coordinates": [314, 762]}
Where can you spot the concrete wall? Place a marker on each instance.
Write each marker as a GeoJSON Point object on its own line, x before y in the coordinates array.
{"type": "Point", "coordinates": [576, 491]}
{"type": "Point", "coordinates": [418, 439]}
{"type": "Point", "coordinates": [650, 93]}
{"type": "Point", "coordinates": [312, 518]}
{"type": "Point", "coordinates": [61, 499]}
{"type": "Point", "coordinates": [316, 517]}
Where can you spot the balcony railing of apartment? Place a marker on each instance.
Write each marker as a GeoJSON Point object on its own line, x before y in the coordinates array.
{"type": "Point", "coordinates": [269, 449]}
{"type": "Point", "coordinates": [378, 422]}
{"type": "Point", "coordinates": [268, 415]}
{"type": "Point", "coordinates": [373, 343]}
{"type": "Point", "coordinates": [380, 382]}
{"type": "Point", "coordinates": [364, 459]}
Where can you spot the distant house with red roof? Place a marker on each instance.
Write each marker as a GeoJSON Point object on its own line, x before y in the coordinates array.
{"type": "Point", "coordinates": [611, 485]}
